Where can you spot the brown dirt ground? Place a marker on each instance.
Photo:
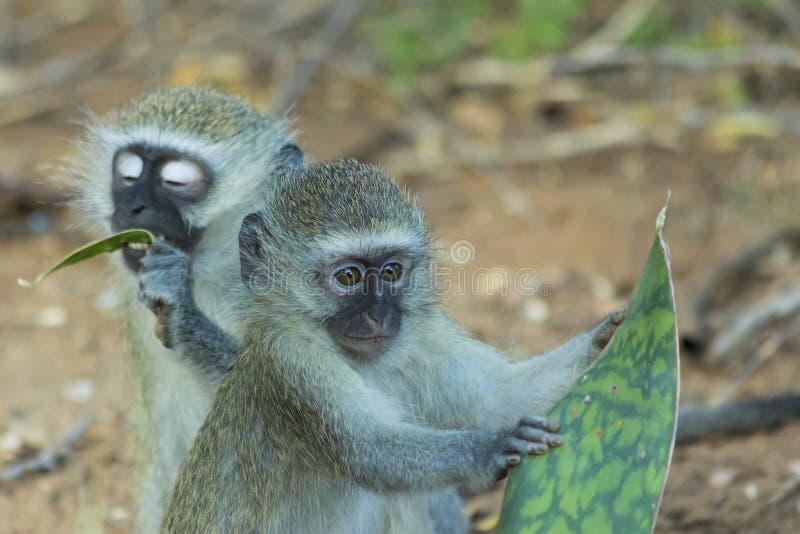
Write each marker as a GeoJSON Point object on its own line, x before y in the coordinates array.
{"type": "Point", "coordinates": [587, 235]}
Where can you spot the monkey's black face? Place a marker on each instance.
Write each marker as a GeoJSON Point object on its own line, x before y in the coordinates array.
{"type": "Point", "coordinates": [369, 294]}
{"type": "Point", "coordinates": [151, 188]}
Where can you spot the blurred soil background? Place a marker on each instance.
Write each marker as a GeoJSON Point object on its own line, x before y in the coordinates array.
{"type": "Point", "coordinates": [544, 133]}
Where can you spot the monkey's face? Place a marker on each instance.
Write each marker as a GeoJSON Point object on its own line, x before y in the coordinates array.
{"type": "Point", "coordinates": [151, 189]}
{"type": "Point", "coordinates": [368, 293]}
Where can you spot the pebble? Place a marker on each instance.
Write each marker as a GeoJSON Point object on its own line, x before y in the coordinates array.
{"type": "Point", "coordinates": [536, 310]}
{"type": "Point", "coordinates": [53, 316]}
{"type": "Point", "coordinates": [794, 468]}
{"type": "Point", "coordinates": [79, 391]}
{"type": "Point", "coordinates": [721, 477]}
{"type": "Point", "coordinates": [118, 513]}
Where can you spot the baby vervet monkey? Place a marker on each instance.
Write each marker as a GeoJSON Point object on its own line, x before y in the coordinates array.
{"type": "Point", "coordinates": [187, 164]}
{"type": "Point", "coordinates": [354, 403]}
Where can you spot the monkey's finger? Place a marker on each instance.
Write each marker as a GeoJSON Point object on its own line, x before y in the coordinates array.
{"type": "Point", "coordinates": [514, 446]}
{"type": "Point", "coordinates": [534, 434]}
{"type": "Point", "coordinates": [618, 316]}
{"type": "Point", "coordinates": [537, 449]}
{"type": "Point", "coordinates": [606, 329]}
{"type": "Point", "coordinates": [160, 246]}
{"type": "Point", "coordinates": [540, 422]}
{"type": "Point", "coordinates": [164, 261]}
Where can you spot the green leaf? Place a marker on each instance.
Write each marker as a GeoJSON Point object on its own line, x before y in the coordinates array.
{"type": "Point", "coordinates": [618, 425]}
{"type": "Point", "coordinates": [90, 250]}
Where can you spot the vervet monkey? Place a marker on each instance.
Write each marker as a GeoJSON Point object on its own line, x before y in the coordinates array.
{"type": "Point", "coordinates": [355, 404]}
{"type": "Point", "coordinates": [186, 164]}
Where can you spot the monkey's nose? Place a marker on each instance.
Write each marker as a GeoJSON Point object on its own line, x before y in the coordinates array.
{"type": "Point", "coordinates": [376, 321]}
{"type": "Point", "coordinates": [138, 209]}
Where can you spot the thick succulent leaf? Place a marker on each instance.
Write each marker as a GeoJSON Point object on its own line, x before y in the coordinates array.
{"type": "Point", "coordinates": [90, 250]}
{"type": "Point", "coordinates": [618, 425]}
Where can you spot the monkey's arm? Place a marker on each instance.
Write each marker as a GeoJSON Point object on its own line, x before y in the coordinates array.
{"type": "Point", "coordinates": [370, 438]}
{"type": "Point", "coordinates": [487, 390]}
{"type": "Point", "coordinates": [165, 288]}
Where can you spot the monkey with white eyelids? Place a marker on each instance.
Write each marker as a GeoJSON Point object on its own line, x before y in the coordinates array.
{"type": "Point", "coordinates": [187, 164]}
{"type": "Point", "coordinates": [354, 403]}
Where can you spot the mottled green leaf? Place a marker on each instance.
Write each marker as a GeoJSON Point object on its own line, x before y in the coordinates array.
{"type": "Point", "coordinates": [90, 250]}
{"type": "Point", "coordinates": [618, 425]}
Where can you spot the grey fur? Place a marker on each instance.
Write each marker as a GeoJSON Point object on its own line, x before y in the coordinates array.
{"type": "Point", "coordinates": [304, 438]}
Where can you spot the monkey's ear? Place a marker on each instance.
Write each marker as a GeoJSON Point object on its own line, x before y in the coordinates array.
{"type": "Point", "coordinates": [290, 158]}
{"type": "Point", "coordinates": [252, 259]}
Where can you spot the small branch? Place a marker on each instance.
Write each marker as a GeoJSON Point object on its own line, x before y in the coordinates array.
{"type": "Point", "coordinates": [751, 322]}
{"type": "Point", "coordinates": [789, 13]}
{"type": "Point", "coordinates": [767, 350]}
{"type": "Point", "coordinates": [342, 15]}
{"type": "Point", "coordinates": [725, 283]}
{"type": "Point", "coordinates": [678, 58]}
{"type": "Point", "coordinates": [746, 417]}
{"type": "Point", "coordinates": [620, 25]}
{"type": "Point", "coordinates": [52, 458]}
{"type": "Point", "coordinates": [612, 133]}
{"type": "Point", "coordinates": [23, 190]}
{"type": "Point", "coordinates": [489, 72]}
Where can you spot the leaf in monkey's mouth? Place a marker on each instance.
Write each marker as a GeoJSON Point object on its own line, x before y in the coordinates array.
{"type": "Point", "coordinates": [136, 239]}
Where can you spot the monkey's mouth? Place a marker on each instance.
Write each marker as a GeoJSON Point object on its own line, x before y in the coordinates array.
{"type": "Point", "coordinates": [367, 345]}
{"type": "Point", "coordinates": [134, 252]}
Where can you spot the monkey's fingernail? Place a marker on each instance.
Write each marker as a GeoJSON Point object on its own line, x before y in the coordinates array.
{"type": "Point", "coordinates": [538, 448]}
{"type": "Point", "coordinates": [513, 460]}
{"type": "Point", "coordinates": [556, 441]}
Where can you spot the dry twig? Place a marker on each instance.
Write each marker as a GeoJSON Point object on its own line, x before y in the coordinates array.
{"type": "Point", "coordinates": [766, 350]}
{"type": "Point", "coordinates": [51, 458]}
{"type": "Point", "coordinates": [751, 322]}
{"type": "Point", "coordinates": [25, 191]}
{"type": "Point", "coordinates": [342, 15]}
{"type": "Point", "coordinates": [696, 423]}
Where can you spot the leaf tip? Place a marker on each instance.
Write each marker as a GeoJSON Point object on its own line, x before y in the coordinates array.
{"type": "Point", "coordinates": [24, 283]}
{"type": "Point", "coordinates": [662, 215]}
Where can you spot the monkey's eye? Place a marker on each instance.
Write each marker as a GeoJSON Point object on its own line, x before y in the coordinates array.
{"type": "Point", "coordinates": [391, 272]}
{"type": "Point", "coordinates": [181, 173]}
{"type": "Point", "coordinates": [348, 276]}
{"type": "Point", "coordinates": [129, 166]}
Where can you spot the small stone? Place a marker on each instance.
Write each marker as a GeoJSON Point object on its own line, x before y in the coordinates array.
{"type": "Point", "coordinates": [536, 310]}
{"type": "Point", "coordinates": [53, 316]}
{"type": "Point", "coordinates": [79, 391]}
{"type": "Point", "coordinates": [751, 491]}
{"type": "Point", "coordinates": [10, 443]}
{"type": "Point", "coordinates": [794, 468]}
{"type": "Point", "coordinates": [118, 513]}
{"type": "Point", "coordinates": [20, 434]}
{"type": "Point", "coordinates": [721, 477]}
{"type": "Point", "coordinates": [602, 288]}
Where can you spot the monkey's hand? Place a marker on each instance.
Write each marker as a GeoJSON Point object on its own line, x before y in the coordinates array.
{"type": "Point", "coordinates": [533, 436]}
{"type": "Point", "coordinates": [603, 332]}
{"type": "Point", "coordinates": [165, 288]}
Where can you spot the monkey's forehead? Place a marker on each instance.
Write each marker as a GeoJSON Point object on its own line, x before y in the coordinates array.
{"type": "Point", "coordinates": [343, 195]}
{"type": "Point", "coordinates": [201, 112]}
